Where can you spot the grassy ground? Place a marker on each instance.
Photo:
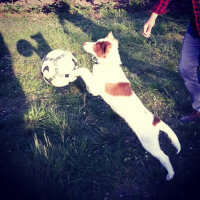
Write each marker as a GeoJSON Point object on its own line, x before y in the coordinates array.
{"type": "Point", "coordinates": [63, 143]}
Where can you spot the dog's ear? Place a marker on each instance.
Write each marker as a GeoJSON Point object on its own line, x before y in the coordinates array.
{"type": "Point", "coordinates": [112, 39]}
{"type": "Point", "coordinates": [110, 36]}
{"type": "Point", "coordinates": [102, 48]}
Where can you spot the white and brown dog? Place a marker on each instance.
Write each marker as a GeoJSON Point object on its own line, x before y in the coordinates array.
{"type": "Point", "coordinates": [109, 81]}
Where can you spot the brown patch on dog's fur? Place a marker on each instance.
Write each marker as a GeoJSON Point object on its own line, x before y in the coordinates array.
{"type": "Point", "coordinates": [102, 48]}
{"type": "Point", "coordinates": [118, 89]}
{"type": "Point", "coordinates": [156, 120]}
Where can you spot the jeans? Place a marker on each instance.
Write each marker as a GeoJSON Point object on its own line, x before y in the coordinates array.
{"type": "Point", "coordinates": [189, 64]}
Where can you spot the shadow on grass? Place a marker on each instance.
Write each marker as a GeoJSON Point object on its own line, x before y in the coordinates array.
{"type": "Point", "coordinates": [26, 49]}
{"type": "Point", "coordinates": [12, 106]}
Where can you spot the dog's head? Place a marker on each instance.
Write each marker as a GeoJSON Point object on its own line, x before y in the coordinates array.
{"type": "Point", "coordinates": [105, 50]}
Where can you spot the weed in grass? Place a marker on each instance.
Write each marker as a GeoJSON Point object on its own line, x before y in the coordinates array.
{"type": "Point", "coordinates": [41, 116]}
{"type": "Point", "coordinates": [108, 10]}
{"type": "Point", "coordinates": [35, 9]}
{"type": "Point", "coordinates": [8, 7]}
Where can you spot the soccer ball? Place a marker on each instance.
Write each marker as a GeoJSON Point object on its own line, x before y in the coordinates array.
{"type": "Point", "coordinates": [56, 67]}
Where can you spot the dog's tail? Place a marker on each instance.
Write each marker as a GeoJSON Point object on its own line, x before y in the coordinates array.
{"type": "Point", "coordinates": [164, 127]}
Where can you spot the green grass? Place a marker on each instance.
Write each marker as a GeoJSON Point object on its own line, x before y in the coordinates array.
{"type": "Point", "coordinates": [63, 143]}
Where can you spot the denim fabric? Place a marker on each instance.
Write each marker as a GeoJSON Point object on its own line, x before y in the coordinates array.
{"type": "Point", "coordinates": [189, 64]}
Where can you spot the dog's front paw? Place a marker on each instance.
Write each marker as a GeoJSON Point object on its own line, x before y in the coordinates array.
{"type": "Point", "coordinates": [73, 76]}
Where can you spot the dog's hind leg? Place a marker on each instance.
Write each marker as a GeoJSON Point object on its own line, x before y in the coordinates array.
{"type": "Point", "coordinates": [151, 143]}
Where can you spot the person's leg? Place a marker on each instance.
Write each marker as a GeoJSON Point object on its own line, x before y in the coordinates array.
{"type": "Point", "coordinates": [189, 70]}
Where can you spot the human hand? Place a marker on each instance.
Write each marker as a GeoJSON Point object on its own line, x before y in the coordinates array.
{"type": "Point", "coordinates": [149, 25]}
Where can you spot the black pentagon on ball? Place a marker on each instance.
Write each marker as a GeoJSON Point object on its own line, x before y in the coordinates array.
{"type": "Point", "coordinates": [66, 75]}
{"type": "Point", "coordinates": [46, 68]}
{"type": "Point", "coordinates": [75, 63]}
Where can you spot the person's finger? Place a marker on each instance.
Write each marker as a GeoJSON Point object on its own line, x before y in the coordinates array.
{"type": "Point", "coordinates": [145, 29]}
{"type": "Point", "coordinates": [148, 31]}
{"type": "Point", "coordinates": [145, 32]}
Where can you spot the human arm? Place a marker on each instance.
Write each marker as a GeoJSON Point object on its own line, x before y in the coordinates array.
{"type": "Point", "coordinates": [149, 25]}
{"type": "Point", "coordinates": [159, 8]}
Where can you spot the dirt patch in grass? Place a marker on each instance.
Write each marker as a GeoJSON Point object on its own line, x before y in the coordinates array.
{"type": "Point", "coordinates": [46, 6]}
{"type": "Point", "coordinates": [74, 2]}
{"type": "Point", "coordinates": [95, 4]}
{"type": "Point", "coordinates": [26, 3]}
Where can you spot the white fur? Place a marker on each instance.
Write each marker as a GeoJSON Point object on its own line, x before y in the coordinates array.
{"type": "Point", "coordinates": [130, 108]}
